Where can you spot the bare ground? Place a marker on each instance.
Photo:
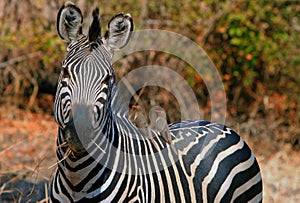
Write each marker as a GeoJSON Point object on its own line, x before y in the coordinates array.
{"type": "Point", "coordinates": [27, 160]}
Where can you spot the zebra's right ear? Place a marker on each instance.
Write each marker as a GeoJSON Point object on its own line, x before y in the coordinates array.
{"type": "Point", "coordinates": [69, 22]}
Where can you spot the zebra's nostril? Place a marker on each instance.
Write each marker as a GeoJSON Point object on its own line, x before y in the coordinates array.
{"type": "Point", "coordinates": [71, 136]}
{"type": "Point", "coordinates": [79, 130]}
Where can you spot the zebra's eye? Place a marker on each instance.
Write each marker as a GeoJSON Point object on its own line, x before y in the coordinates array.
{"type": "Point", "coordinates": [96, 115]}
{"type": "Point", "coordinates": [106, 80]}
{"type": "Point", "coordinates": [66, 73]}
{"type": "Point", "coordinates": [96, 112]}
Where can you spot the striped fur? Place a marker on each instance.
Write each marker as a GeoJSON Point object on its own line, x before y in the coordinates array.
{"type": "Point", "coordinates": [204, 162]}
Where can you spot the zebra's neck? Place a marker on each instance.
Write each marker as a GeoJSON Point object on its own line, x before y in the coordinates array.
{"type": "Point", "coordinates": [119, 148]}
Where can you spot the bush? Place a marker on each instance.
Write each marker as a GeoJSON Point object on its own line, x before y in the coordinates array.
{"type": "Point", "coordinates": [254, 44]}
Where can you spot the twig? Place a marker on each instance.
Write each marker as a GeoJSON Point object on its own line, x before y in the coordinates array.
{"type": "Point", "coordinates": [11, 146]}
{"type": "Point", "coordinates": [34, 92]}
{"type": "Point", "coordinates": [229, 6]}
{"type": "Point", "coordinates": [144, 11]}
{"type": "Point", "coordinates": [19, 59]}
{"type": "Point", "coordinates": [46, 199]}
{"type": "Point", "coordinates": [69, 151]}
{"type": "Point", "coordinates": [131, 90]}
{"type": "Point", "coordinates": [99, 147]}
{"type": "Point", "coordinates": [159, 22]}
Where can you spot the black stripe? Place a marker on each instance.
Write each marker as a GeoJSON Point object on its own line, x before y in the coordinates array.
{"type": "Point", "coordinates": [205, 165]}
{"type": "Point", "coordinates": [249, 194]}
{"type": "Point", "coordinates": [240, 179]}
{"type": "Point", "coordinates": [225, 168]}
{"type": "Point", "coordinates": [184, 182]}
{"type": "Point", "coordinates": [174, 184]}
{"type": "Point", "coordinates": [64, 190]}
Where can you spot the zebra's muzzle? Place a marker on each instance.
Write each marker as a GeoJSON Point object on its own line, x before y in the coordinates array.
{"type": "Point", "coordinates": [79, 131]}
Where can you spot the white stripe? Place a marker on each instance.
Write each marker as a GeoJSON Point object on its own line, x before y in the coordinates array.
{"type": "Point", "coordinates": [189, 179]}
{"type": "Point", "coordinates": [177, 177]}
{"type": "Point", "coordinates": [221, 156]}
{"type": "Point", "coordinates": [111, 177]}
{"type": "Point", "coordinates": [246, 186]}
{"type": "Point", "coordinates": [185, 150]}
{"type": "Point", "coordinates": [257, 198]}
{"type": "Point", "coordinates": [207, 148]}
{"type": "Point", "coordinates": [153, 159]}
{"type": "Point", "coordinates": [196, 163]}
{"type": "Point", "coordinates": [168, 178]}
{"type": "Point", "coordinates": [237, 169]}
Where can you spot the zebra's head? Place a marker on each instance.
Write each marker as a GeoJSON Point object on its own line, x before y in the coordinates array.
{"type": "Point", "coordinates": [87, 75]}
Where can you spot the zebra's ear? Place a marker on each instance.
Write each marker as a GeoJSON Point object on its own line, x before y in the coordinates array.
{"type": "Point", "coordinates": [69, 22]}
{"type": "Point", "coordinates": [119, 31]}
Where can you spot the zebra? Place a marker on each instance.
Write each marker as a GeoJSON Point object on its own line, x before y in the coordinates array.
{"type": "Point", "coordinates": [104, 157]}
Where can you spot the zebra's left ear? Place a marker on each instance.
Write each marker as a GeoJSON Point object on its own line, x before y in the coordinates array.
{"type": "Point", "coordinates": [119, 31]}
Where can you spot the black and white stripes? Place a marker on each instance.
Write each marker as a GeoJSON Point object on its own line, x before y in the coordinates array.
{"type": "Point", "coordinates": [104, 157]}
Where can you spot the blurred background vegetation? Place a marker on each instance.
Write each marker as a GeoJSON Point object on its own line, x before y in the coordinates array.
{"type": "Point", "coordinates": [255, 45]}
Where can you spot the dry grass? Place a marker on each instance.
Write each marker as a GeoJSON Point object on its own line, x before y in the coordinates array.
{"type": "Point", "coordinates": [281, 176]}
{"type": "Point", "coordinates": [28, 149]}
